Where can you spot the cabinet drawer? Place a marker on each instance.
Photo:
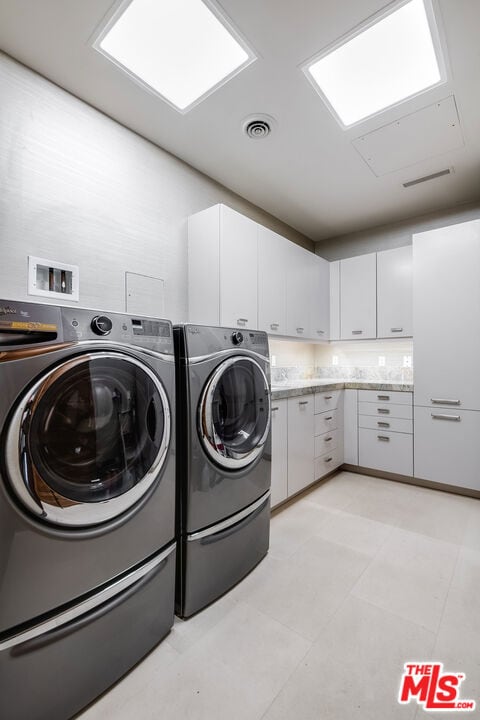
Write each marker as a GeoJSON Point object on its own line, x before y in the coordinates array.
{"type": "Point", "coordinates": [325, 421]}
{"type": "Point", "coordinates": [385, 396]}
{"type": "Point", "coordinates": [326, 401]}
{"type": "Point", "coordinates": [326, 443]}
{"type": "Point", "coordinates": [385, 410]}
{"type": "Point", "coordinates": [389, 424]}
{"type": "Point", "coordinates": [387, 451]}
{"type": "Point", "coordinates": [327, 462]}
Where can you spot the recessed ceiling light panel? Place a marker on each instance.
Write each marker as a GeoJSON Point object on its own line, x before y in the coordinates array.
{"type": "Point", "coordinates": [393, 57]}
{"type": "Point", "coordinates": [182, 50]}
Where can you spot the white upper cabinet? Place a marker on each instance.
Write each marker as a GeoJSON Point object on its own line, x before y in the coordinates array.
{"type": "Point", "coordinates": [298, 291]}
{"type": "Point", "coordinates": [446, 325]}
{"type": "Point", "coordinates": [395, 293]}
{"type": "Point", "coordinates": [222, 268]}
{"type": "Point", "coordinates": [238, 269]}
{"type": "Point", "coordinates": [272, 282]}
{"type": "Point", "coordinates": [335, 300]}
{"type": "Point", "coordinates": [319, 298]}
{"type": "Point", "coordinates": [358, 297]}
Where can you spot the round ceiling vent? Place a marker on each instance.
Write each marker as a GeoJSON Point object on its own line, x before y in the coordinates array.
{"type": "Point", "coordinates": [258, 126]}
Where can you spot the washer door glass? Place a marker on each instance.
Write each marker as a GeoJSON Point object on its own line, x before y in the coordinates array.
{"type": "Point", "coordinates": [234, 414]}
{"type": "Point", "coordinates": [89, 439]}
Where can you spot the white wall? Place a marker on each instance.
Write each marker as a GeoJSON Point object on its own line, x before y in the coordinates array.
{"type": "Point", "coordinates": [77, 187]}
{"type": "Point", "coordinates": [386, 237]}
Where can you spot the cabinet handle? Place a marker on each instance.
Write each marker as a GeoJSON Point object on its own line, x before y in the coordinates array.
{"type": "Point", "coordinates": [303, 402]}
{"type": "Point", "coordinates": [384, 411]}
{"type": "Point", "coordinates": [274, 326]}
{"type": "Point", "coordinates": [300, 330]}
{"type": "Point", "coordinates": [383, 424]}
{"type": "Point", "coordinates": [383, 397]}
{"type": "Point", "coordinates": [242, 321]}
{"type": "Point", "coordinates": [328, 459]}
{"type": "Point", "coordinates": [328, 439]}
{"type": "Point", "coordinates": [274, 409]}
{"type": "Point", "coordinates": [456, 418]}
{"type": "Point", "coordinates": [442, 401]}
{"type": "Point", "coordinates": [396, 329]}
{"type": "Point", "coordinates": [320, 332]}
{"type": "Point", "coordinates": [329, 418]}
{"type": "Point", "coordinates": [328, 397]}
{"type": "Point", "coordinates": [384, 438]}
{"type": "Point", "coordinates": [357, 332]}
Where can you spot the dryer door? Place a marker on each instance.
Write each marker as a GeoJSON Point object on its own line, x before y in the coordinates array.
{"type": "Point", "coordinates": [234, 413]}
{"type": "Point", "coordinates": [89, 439]}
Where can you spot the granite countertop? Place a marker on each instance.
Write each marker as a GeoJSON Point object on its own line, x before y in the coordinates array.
{"type": "Point", "coordinates": [305, 387]}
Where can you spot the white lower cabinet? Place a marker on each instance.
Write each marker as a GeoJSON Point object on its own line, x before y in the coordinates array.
{"type": "Point", "coordinates": [350, 426]}
{"type": "Point", "coordinates": [300, 442]}
{"type": "Point", "coordinates": [328, 428]}
{"type": "Point", "coordinates": [387, 451]}
{"type": "Point", "coordinates": [447, 448]}
{"type": "Point", "coordinates": [279, 451]}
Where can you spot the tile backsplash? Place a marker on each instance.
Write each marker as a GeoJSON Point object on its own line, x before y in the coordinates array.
{"type": "Point", "coordinates": [382, 360]}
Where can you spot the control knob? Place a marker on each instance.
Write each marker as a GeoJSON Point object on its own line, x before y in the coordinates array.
{"type": "Point", "coordinates": [101, 325]}
{"type": "Point", "coordinates": [237, 338]}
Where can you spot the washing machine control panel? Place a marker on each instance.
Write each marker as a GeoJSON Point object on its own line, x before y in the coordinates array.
{"type": "Point", "coordinates": [101, 325]}
{"type": "Point", "coordinates": [237, 338]}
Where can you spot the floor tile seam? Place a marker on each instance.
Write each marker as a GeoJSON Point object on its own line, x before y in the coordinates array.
{"type": "Point", "coordinates": [244, 601]}
{"type": "Point", "coordinates": [396, 615]}
{"type": "Point", "coordinates": [442, 614]}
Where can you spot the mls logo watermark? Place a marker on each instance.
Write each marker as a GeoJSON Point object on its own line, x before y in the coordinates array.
{"type": "Point", "coordinates": [430, 686]}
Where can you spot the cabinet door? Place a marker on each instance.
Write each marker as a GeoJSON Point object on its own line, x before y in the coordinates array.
{"type": "Point", "coordinates": [204, 267]}
{"type": "Point", "coordinates": [358, 297]}
{"type": "Point", "coordinates": [279, 451]}
{"type": "Point", "coordinates": [395, 293]}
{"type": "Point", "coordinates": [272, 282]}
{"type": "Point", "coordinates": [320, 298]}
{"type": "Point", "coordinates": [350, 430]}
{"type": "Point", "coordinates": [387, 451]}
{"type": "Point", "coordinates": [446, 446]}
{"type": "Point", "coordinates": [300, 443]}
{"type": "Point", "coordinates": [335, 300]}
{"type": "Point", "coordinates": [238, 270]}
{"type": "Point", "coordinates": [446, 312]}
{"type": "Point", "coordinates": [298, 291]}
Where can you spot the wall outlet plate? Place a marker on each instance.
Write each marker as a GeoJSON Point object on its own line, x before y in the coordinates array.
{"type": "Point", "coordinates": [53, 279]}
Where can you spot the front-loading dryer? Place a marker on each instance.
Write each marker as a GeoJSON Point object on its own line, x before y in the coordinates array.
{"type": "Point", "coordinates": [224, 466]}
{"type": "Point", "coordinates": [87, 502]}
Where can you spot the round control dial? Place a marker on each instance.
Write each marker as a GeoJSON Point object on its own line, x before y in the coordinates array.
{"type": "Point", "coordinates": [101, 325]}
{"type": "Point", "coordinates": [237, 338]}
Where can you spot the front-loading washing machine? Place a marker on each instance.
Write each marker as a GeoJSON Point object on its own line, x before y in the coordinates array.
{"type": "Point", "coordinates": [87, 502]}
{"type": "Point", "coordinates": [224, 463]}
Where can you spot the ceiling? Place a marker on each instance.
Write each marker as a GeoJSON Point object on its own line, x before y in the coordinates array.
{"type": "Point", "coordinates": [307, 172]}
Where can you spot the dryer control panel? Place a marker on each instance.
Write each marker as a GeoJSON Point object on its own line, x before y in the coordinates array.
{"type": "Point", "coordinates": [203, 340]}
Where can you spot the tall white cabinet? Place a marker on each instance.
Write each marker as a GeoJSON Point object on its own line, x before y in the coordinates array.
{"type": "Point", "coordinates": [319, 292]}
{"type": "Point", "coordinates": [358, 297]}
{"type": "Point", "coordinates": [395, 292]}
{"type": "Point", "coordinates": [298, 291]}
{"type": "Point", "coordinates": [272, 282]}
{"type": "Point", "coordinates": [446, 327]}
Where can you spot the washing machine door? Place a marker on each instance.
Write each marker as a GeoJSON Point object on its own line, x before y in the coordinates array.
{"type": "Point", "coordinates": [234, 413]}
{"type": "Point", "coordinates": [89, 439]}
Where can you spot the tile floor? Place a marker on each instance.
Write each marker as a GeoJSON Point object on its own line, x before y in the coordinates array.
{"type": "Point", "coordinates": [363, 574]}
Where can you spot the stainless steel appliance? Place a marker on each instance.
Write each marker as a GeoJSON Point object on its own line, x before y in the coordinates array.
{"type": "Point", "coordinates": [223, 470]}
{"type": "Point", "coordinates": [87, 502]}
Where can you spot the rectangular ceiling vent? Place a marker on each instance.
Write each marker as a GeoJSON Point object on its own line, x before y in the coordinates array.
{"type": "Point", "coordinates": [426, 178]}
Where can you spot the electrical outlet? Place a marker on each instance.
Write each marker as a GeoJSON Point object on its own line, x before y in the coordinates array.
{"type": "Point", "coordinates": [274, 361]}
{"type": "Point", "coordinates": [381, 361]}
{"type": "Point", "coordinates": [335, 360]}
{"type": "Point", "coordinates": [407, 361]}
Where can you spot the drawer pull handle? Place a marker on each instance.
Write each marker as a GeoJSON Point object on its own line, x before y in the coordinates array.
{"type": "Point", "coordinates": [328, 397]}
{"type": "Point", "coordinates": [242, 321]}
{"type": "Point", "coordinates": [329, 418]}
{"type": "Point", "coordinates": [274, 409]}
{"type": "Point", "coordinates": [396, 329]}
{"type": "Point", "coordinates": [274, 326]}
{"type": "Point", "coordinates": [328, 439]}
{"type": "Point", "coordinates": [303, 402]}
{"type": "Point", "coordinates": [383, 424]}
{"type": "Point", "coordinates": [456, 418]}
{"type": "Point", "coordinates": [320, 332]}
{"type": "Point", "coordinates": [383, 397]}
{"type": "Point", "coordinates": [384, 438]}
{"type": "Point", "coordinates": [383, 411]}
{"type": "Point", "coordinates": [328, 459]}
{"type": "Point", "coordinates": [357, 332]}
{"type": "Point", "coordinates": [300, 330]}
{"type": "Point", "coordinates": [442, 401]}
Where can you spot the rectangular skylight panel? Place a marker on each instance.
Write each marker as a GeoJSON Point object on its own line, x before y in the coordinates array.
{"type": "Point", "coordinates": [178, 48]}
{"type": "Point", "coordinates": [388, 62]}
